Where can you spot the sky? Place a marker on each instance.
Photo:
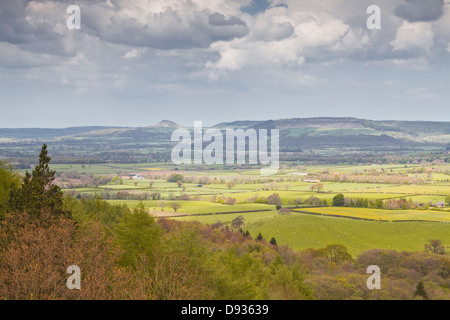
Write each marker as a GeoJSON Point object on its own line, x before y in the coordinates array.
{"type": "Point", "coordinates": [137, 62]}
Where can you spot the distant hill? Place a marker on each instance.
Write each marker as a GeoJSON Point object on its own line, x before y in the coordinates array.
{"type": "Point", "coordinates": [311, 130]}
{"type": "Point", "coordinates": [237, 124]}
{"type": "Point", "coordinates": [303, 139]}
{"type": "Point", "coordinates": [45, 133]}
{"type": "Point", "coordinates": [165, 124]}
{"type": "Point", "coordinates": [333, 130]}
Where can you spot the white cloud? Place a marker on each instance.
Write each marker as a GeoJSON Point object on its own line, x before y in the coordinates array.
{"type": "Point", "coordinates": [414, 35]}
{"type": "Point", "coordinates": [166, 24]}
{"type": "Point", "coordinates": [211, 39]}
{"type": "Point", "coordinates": [284, 44]}
{"type": "Point", "coordinates": [133, 54]}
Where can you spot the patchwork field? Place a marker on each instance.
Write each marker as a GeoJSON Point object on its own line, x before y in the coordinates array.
{"type": "Point", "coordinates": [384, 215]}
{"type": "Point", "coordinates": [303, 231]}
{"type": "Point", "coordinates": [307, 226]}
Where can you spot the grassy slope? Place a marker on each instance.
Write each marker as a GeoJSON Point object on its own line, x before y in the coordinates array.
{"type": "Point", "coordinates": [305, 231]}
{"type": "Point", "coordinates": [196, 207]}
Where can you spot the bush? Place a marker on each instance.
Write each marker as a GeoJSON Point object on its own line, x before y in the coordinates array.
{"type": "Point", "coordinates": [174, 177]}
{"type": "Point", "coordinates": [338, 200]}
{"type": "Point", "coordinates": [275, 199]}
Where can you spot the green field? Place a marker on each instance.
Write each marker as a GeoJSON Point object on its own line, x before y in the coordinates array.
{"type": "Point", "coordinates": [417, 189]}
{"type": "Point", "coordinates": [387, 215]}
{"type": "Point", "coordinates": [303, 231]}
{"type": "Point", "coordinates": [196, 207]}
{"type": "Point", "coordinates": [300, 230]}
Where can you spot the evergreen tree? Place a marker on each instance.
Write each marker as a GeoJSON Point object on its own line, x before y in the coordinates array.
{"type": "Point", "coordinates": [37, 192]}
{"type": "Point", "coordinates": [259, 237]}
{"type": "Point", "coordinates": [420, 291]}
{"type": "Point", "coordinates": [273, 241]}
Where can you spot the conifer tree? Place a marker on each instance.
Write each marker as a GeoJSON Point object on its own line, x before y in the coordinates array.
{"type": "Point", "coordinates": [420, 291]}
{"type": "Point", "coordinates": [37, 192]}
{"type": "Point", "coordinates": [273, 241]}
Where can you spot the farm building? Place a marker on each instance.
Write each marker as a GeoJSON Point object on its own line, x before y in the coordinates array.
{"type": "Point", "coordinates": [299, 173]}
{"type": "Point", "coordinates": [134, 176]}
{"type": "Point", "coordinates": [439, 204]}
{"type": "Point", "coordinates": [311, 180]}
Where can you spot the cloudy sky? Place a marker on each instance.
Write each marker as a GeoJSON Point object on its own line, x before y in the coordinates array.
{"type": "Point", "coordinates": [135, 62]}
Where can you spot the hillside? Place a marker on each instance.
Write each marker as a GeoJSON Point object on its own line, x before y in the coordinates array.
{"type": "Point", "coordinates": [301, 139]}
{"type": "Point", "coordinates": [325, 128]}
{"type": "Point", "coordinates": [47, 133]}
{"type": "Point", "coordinates": [407, 131]}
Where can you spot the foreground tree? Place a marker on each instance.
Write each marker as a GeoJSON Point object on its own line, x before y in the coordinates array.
{"type": "Point", "coordinates": [8, 178]}
{"type": "Point", "coordinates": [137, 233]}
{"type": "Point", "coordinates": [38, 193]}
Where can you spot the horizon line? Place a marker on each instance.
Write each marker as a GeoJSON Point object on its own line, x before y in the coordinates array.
{"type": "Point", "coordinates": [222, 122]}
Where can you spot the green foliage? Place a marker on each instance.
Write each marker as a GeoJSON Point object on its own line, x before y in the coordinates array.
{"type": "Point", "coordinates": [262, 200]}
{"type": "Point", "coordinates": [273, 241]}
{"type": "Point", "coordinates": [246, 276]}
{"type": "Point", "coordinates": [85, 210]}
{"type": "Point", "coordinates": [420, 291]}
{"type": "Point", "coordinates": [175, 177]}
{"type": "Point", "coordinates": [336, 253]}
{"type": "Point", "coordinates": [259, 237]}
{"type": "Point", "coordinates": [38, 193]}
{"type": "Point", "coordinates": [239, 277]}
{"type": "Point", "coordinates": [8, 179]}
{"type": "Point", "coordinates": [137, 233]}
{"type": "Point", "coordinates": [338, 200]}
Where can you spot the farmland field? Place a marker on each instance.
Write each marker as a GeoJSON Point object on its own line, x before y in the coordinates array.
{"type": "Point", "coordinates": [306, 226]}
{"type": "Point", "coordinates": [303, 231]}
{"type": "Point", "coordinates": [385, 215]}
